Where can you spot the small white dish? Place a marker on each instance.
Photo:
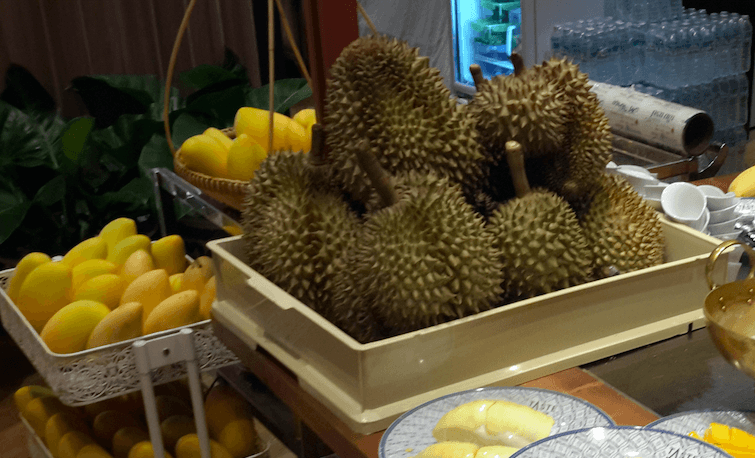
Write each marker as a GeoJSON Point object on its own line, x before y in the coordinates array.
{"type": "Point", "coordinates": [710, 190]}
{"type": "Point", "coordinates": [722, 228]}
{"type": "Point", "coordinates": [611, 167]}
{"type": "Point", "coordinates": [725, 214]}
{"type": "Point", "coordinates": [654, 191]}
{"type": "Point", "coordinates": [638, 180]}
{"type": "Point", "coordinates": [683, 202]}
{"type": "Point", "coordinates": [702, 224]}
{"type": "Point", "coordinates": [721, 202]}
{"type": "Point", "coordinates": [636, 168]}
{"type": "Point", "coordinates": [699, 420]}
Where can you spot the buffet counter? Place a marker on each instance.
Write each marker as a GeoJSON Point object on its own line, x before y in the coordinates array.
{"type": "Point", "coordinates": [634, 388]}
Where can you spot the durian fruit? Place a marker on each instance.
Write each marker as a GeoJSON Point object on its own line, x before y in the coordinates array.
{"type": "Point", "coordinates": [381, 91]}
{"type": "Point", "coordinates": [623, 231]}
{"type": "Point", "coordinates": [530, 110]}
{"type": "Point", "coordinates": [542, 245]}
{"type": "Point", "coordinates": [296, 227]}
{"type": "Point", "coordinates": [575, 174]}
{"type": "Point", "coordinates": [424, 259]}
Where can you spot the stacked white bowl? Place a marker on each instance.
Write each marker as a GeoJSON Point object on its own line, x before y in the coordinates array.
{"type": "Point", "coordinates": [723, 215]}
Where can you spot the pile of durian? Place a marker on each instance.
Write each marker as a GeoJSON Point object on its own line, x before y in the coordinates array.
{"type": "Point", "coordinates": [413, 210]}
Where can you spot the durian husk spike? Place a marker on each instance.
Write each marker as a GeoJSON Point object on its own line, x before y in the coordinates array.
{"type": "Point", "coordinates": [518, 63]}
{"type": "Point", "coordinates": [477, 75]}
{"type": "Point", "coordinates": [515, 159]}
{"type": "Point", "coordinates": [381, 181]}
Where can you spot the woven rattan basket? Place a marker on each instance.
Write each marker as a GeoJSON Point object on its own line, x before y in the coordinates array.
{"type": "Point", "coordinates": [229, 192]}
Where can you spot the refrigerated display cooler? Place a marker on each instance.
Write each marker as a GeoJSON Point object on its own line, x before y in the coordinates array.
{"type": "Point", "coordinates": [485, 32]}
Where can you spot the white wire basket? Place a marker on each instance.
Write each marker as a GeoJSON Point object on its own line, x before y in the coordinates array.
{"type": "Point", "coordinates": [103, 372]}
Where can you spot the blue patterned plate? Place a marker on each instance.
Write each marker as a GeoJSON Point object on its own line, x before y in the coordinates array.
{"type": "Point", "coordinates": [699, 420]}
{"type": "Point", "coordinates": [413, 431]}
{"type": "Point", "coordinates": [619, 442]}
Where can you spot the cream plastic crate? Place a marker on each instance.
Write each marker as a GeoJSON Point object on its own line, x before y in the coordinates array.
{"type": "Point", "coordinates": [36, 446]}
{"type": "Point", "coordinates": [370, 385]}
{"type": "Point", "coordinates": [103, 372]}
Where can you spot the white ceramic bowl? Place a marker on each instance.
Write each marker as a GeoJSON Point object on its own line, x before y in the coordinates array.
{"type": "Point", "coordinates": [654, 191]}
{"type": "Point", "coordinates": [702, 223]}
{"type": "Point", "coordinates": [710, 190]}
{"type": "Point", "coordinates": [683, 202]}
{"type": "Point", "coordinates": [725, 214]}
{"type": "Point", "coordinates": [721, 202]}
{"type": "Point", "coordinates": [636, 168]}
{"type": "Point", "coordinates": [723, 227]}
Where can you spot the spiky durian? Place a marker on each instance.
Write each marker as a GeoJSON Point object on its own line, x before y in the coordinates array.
{"type": "Point", "coordinates": [531, 111]}
{"type": "Point", "coordinates": [539, 237]}
{"type": "Point", "coordinates": [623, 231]}
{"type": "Point", "coordinates": [381, 92]}
{"type": "Point", "coordinates": [424, 259]}
{"type": "Point", "coordinates": [296, 229]}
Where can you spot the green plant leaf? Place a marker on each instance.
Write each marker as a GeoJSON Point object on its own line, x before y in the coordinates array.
{"type": "Point", "coordinates": [13, 208]}
{"type": "Point", "coordinates": [220, 106]}
{"type": "Point", "coordinates": [75, 137]}
{"type": "Point", "coordinates": [24, 92]}
{"type": "Point", "coordinates": [187, 125]}
{"type": "Point", "coordinates": [136, 194]}
{"type": "Point", "coordinates": [155, 153]}
{"type": "Point", "coordinates": [288, 92]}
{"type": "Point", "coordinates": [52, 192]}
{"type": "Point", "coordinates": [203, 76]}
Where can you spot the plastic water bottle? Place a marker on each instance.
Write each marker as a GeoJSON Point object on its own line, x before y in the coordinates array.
{"type": "Point", "coordinates": [746, 54]}
{"type": "Point", "coordinates": [742, 92]}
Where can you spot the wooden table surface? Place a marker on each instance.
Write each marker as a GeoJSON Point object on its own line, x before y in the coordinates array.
{"type": "Point", "coordinates": [347, 444]}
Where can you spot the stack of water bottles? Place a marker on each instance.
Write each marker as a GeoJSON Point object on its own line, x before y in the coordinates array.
{"type": "Point", "coordinates": [686, 56]}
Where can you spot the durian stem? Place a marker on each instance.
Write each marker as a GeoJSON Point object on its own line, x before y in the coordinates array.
{"type": "Point", "coordinates": [380, 180]}
{"type": "Point", "coordinates": [477, 76]}
{"type": "Point", "coordinates": [317, 154]}
{"type": "Point", "coordinates": [518, 62]}
{"type": "Point", "coordinates": [515, 159]}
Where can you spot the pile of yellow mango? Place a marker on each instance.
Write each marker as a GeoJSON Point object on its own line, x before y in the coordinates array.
{"type": "Point", "coordinates": [213, 153]}
{"type": "Point", "coordinates": [734, 441]}
{"type": "Point", "coordinates": [115, 286]}
{"type": "Point", "coordinates": [117, 427]}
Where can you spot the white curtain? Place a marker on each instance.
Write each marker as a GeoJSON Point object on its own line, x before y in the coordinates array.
{"type": "Point", "coordinates": [423, 24]}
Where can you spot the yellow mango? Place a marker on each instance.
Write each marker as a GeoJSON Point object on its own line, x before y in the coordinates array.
{"type": "Point", "coordinates": [222, 405]}
{"type": "Point", "coordinates": [204, 154]}
{"type": "Point", "coordinates": [58, 425]}
{"type": "Point", "coordinates": [68, 330]}
{"type": "Point", "coordinates": [72, 442]}
{"type": "Point", "coordinates": [125, 438]}
{"type": "Point", "coordinates": [123, 323]}
{"type": "Point", "coordinates": [89, 269]}
{"type": "Point", "coordinates": [169, 253]}
{"type": "Point", "coordinates": [144, 449]}
{"type": "Point", "coordinates": [306, 117]}
{"type": "Point", "coordinates": [239, 437]}
{"type": "Point", "coordinates": [117, 230]}
{"type": "Point", "coordinates": [24, 266]}
{"type": "Point", "coordinates": [218, 135]}
{"type": "Point", "coordinates": [188, 447]}
{"type": "Point", "coordinates": [131, 402]}
{"type": "Point", "coordinates": [105, 288]}
{"type": "Point", "coordinates": [244, 158]}
{"type": "Point", "coordinates": [180, 309]}
{"type": "Point", "coordinates": [197, 274]}
{"type": "Point", "coordinates": [298, 138]}
{"type": "Point", "coordinates": [44, 291]}
{"type": "Point", "coordinates": [39, 410]}
{"type": "Point", "coordinates": [26, 393]}
{"type": "Point", "coordinates": [176, 280]}
{"type": "Point", "coordinates": [168, 405]}
{"type": "Point", "coordinates": [91, 248]}
{"type": "Point", "coordinates": [123, 249]}
{"type": "Point", "coordinates": [139, 262]}
{"type": "Point", "coordinates": [148, 289]}
{"type": "Point", "coordinates": [93, 451]}
{"type": "Point", "coordinates": [255, 123]}
{"type": "Point", "coordinates": [175, 427]}
{"type": "Point", "coordinates": [206, 298]}
{"type": "Point", "coordinates": [107, 423]}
